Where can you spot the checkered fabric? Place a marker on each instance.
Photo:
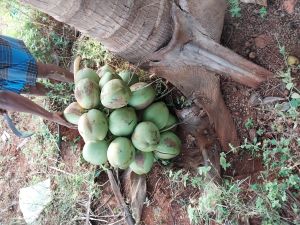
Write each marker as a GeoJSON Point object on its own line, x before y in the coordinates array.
{"type": "Point", "coordinates": [18, 68]}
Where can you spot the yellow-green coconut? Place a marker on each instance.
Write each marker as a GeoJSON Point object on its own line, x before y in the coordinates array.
{"type": "Point", "coordinates": [95, 152]}
{"type": "Point", "coordinates": [122, 121]}
{"type": "Point", "coordinates": [143, 95]}
{"type": "Point", "coordinates": [145, 136]}
{"type": "Point", "coordinates": [120, 153]}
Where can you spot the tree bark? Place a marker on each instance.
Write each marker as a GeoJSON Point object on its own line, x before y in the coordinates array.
{"type": "Point", "coordinates": [131, 29]}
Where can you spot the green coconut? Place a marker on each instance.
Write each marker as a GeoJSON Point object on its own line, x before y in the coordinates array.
{"type": "Point", "coordinates": [107, 77]}
{"type": "Point", "coordinates": [142, 162]}
{"type": "Point", "coordinates": [73, 112]}
{"type": "Point", "coordinates": [122, 121]}
{"type": "Point", "coordinates": [95, 152]}
{"type": "Point", "coordinates": [115, 94]}
{"type": "Point", "coordinates": [87, 93]}
{"type": "Point", "coordinates": [93, 126]}
{"type": "Point", "coordinates": [86, 73]}
{"type": "Point", "coordinates": [172, 121]}
{"type": "Point", "coordinates": [128, 77]}
{"type": "Point", "coordinates": [158, 113]}
{"type": "Point", "coordinates": [145, 136]}
{"type": "Point", "coordinates": [104, 69]}
{"type": "Point", "coordinates": [120, 153]}
{"type": "Point", "coordinates": [143, 95]}
{"type": "Point", "coordinates": [168, 147]}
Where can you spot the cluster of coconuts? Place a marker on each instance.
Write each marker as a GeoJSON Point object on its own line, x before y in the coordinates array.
{"type": "Point", "coordinates": [140, 129]}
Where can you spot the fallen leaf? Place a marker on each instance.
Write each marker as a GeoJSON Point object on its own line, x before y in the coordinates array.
{"type": "Point", "coordinates": [295, 96]}
{"type": "Point", "coordinates": [255, 99]}
{"type": "Point", "coordinates": [259, 2]}
{"type": "Point", "coordinates": [33, 200]}
{"type": "Point", "coordinates": [135, 189]}
{"type": "Point", "coordinates": [270, 100]}
{"type": "Point", "coordinates": [289, 6]}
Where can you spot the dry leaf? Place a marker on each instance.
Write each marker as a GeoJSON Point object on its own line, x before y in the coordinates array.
{"type": "Point", "coordinates": [270, 100]}
{"type": "Point", "coordinates": [259, 2]}
{"type": "Point", "coordinates": [289, 5]}
{"type": "Point", "coordinates": [135, 189]}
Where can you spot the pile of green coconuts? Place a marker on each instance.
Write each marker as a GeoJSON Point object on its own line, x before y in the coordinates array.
{"type": "Point", "coordinates": [120, 122]}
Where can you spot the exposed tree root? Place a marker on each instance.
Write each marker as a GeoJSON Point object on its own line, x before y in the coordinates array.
{"type": "Point", "coordinates": [183, 60]}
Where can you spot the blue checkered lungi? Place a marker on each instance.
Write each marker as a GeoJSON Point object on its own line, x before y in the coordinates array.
{"type": "Point", "coordinates": [18, 68]}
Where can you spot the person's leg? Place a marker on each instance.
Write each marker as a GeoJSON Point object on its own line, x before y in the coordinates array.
{"type": "Point", "coordinates": [54, 72]}
{"type": "Point", "coordinates": [39, 90]}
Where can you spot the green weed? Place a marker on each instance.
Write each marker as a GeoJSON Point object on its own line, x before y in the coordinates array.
{"type": "Point", "coordinates": [40, 33]}
{"type": "Point", "coordinates": [92, 52]}
{"type": "Point", "coordinates": [235, 9]}
{"type": "Point", "coordinates": [249, 123]}
{"type": "Point", "coordinates": [263, 12]}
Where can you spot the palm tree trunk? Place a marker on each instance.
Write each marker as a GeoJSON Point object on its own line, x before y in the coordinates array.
{"type": "Point", "coordinates": [131, 29]}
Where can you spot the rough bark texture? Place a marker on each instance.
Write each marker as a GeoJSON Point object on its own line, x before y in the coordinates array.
{"type": "Point", "coordinates": [206, 13]}
{"type": "Point", "coordinates": [132, 29]}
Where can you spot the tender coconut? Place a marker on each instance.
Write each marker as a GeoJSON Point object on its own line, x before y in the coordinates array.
{"type": "Point", "coordinates": [115, 94]}
{"type": "Point", "coordinates": [86, 73]}
{"type": "Point", "coordinates": [157, 113]}
{"type": "Point", "coordinates": [142, 163]}
{"type": "Point", "coordinates": [145, 136]}
{"type": "Point", "coordinates": [128, 77]}
{"type": "Point", "coordinates": [73, 112]}
{"type": "Point", "coordinates": [143, 95]}
{"type": "Point", "coordinates": [122, 121]}
{"type": "Point", "coordinates": [120, 153]}
{"type": "Point", "coordinates": [168, 147]}
{"type": "Point", "coordinates": [95, 152]}
{"type": "Point", "coordinates": [92, 125]}
{"type": "Point", "coordinates": [87, 93]}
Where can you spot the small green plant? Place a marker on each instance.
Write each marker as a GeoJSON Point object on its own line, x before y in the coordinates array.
{"type": "Point", "coordinates": [235, 8]}
{"type": "Point", "coordinates": [92, 52]}
{"type": "Point", "coordinates": [223, 162]}
{"type": "Point", "coordinates": [39, 32]}
{"type": "Point", "coordinates": [249, 123]}
{"type": "Point", "coordinates": [60, 94]}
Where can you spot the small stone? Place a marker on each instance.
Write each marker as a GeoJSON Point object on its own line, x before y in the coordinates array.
{"type": "Point", "coordinates": [289, 6]}
{"type": "Point", "coordinates": [252, 55]}
{"type": "Point", "coordinates": [262, 41]}
{"type": "Point", "coordinates": [292, 60]}
{"type": "Point", "coordinates": [286, 93]}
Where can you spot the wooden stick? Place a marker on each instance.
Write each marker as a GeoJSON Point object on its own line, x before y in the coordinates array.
{"type": "Point", "coordinates": [88, 209]}
{"type": "Point", "coordinates": [116, 190]}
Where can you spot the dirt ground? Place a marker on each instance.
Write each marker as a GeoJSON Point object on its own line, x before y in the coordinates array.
{"type": "Point", "coordinates": [257, 39]}
{"type": "Point", "coordinates": [251, 36]}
